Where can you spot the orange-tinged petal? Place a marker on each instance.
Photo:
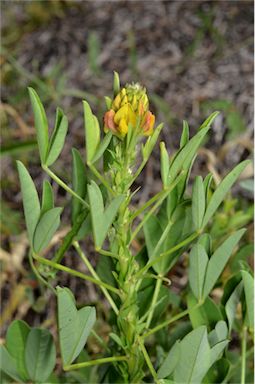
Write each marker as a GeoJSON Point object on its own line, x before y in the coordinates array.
{"type": "Point", "coordinates": [109, 121]}
{"type": "Point", "coordinates": [148, 123]}
{"type": "Point", "coordinates": [141, 108]}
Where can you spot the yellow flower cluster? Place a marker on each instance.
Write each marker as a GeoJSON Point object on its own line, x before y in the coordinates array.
{"type": "Point", "coordinates": [130, 108]}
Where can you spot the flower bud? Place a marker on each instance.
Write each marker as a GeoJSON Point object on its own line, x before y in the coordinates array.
{"type": "Point", "coordinates": [130, 108]}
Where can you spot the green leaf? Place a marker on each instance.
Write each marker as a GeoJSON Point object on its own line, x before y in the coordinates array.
{"type": "Point", "coordinates": [206, 241]}
{"type": "Point", "coordinates": [218, 334]}
{"type": "Point", "coordinates": [152, 232]}
{"type": "Point", "coordinates": [92, 132]}
{"type": "Point", "coordinates": [151, 142]}
{"type": "Point", "coordinates": [222, 190]}
{"type": "Point", "coordinates": [31, 202]}
{"type": "Point", "coordinates": [40, 354]}
{"type": "Point", "coordinates": [57, 139]}
{"type": "Point", "coordinates": [194, 357]}
{"type": "Point", "coordinates": [16, 338]}
{"type": "Point", "coordinates": [73, 234]}
{"type": "Point", "coordinates": [74, 326]}
{"type": "Point", "coordinates": [197, 269]}
{"type": "Point", "coordinates": [185, 156]}
{"type": "Point", "coordinates": [117, 340]}
{"type": "Point", "coordinates": [229, 287]}
{"type": "Point", "coordinates": [45, 229]}
{"type": "Point", "coordinates": [170, 361]}
{"type": "Point", "coordinates": [219, 260]}
{"type": "Point", "coordinates": [47, 197]}
{"type": "Point", "coordinates": [101, 218]}
{"type": "Point", "coordinates": [185, 134]}
{"type": "Point", "coordinates": [218, 372]}
{"type": "Point", "coordinates": [248, 281]}
{"type": "Point", "coordinates": [102, 147]}
{"type": "Point", "coordinates": [207, 314]}
{"type": "Point", "coordinates": [116, 83]}
{"type": "Point", "coordinates": [208, 122]}
{"type": "Point", "coordinates": [154, 239]}
{"type": "Point", "coordinates": [8, 365]}
{"type": "Point", "coordinates": [245, 251]}
{"type": "Point", "coordinates": [108, 102]}
{"type": "Point", "coordinates": [217, 350]}
{"type": "Point", "coordinates": [164, 163]}
{"type": "Point", "coordinates": [79, 182]}
{"type": "Point", "coordinates": [85, 227]}
{"type": "Point", "coordinates": [198, 202]}
{"type": "Point", "coordinates": [207, 183]}
{"type": "Point", "coordinates": [232, 303]}
{"type": "Point", "coordinates": [41, 124]}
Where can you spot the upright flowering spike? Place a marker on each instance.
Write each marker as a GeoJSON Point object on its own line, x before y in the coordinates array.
{"type": "Point", "coordinates": [130, 108]}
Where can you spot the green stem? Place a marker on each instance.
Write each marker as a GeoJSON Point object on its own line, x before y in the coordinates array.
{"type": "Point", "coordinates": [101, 178]}
{"type": "Point", "coordinates": [75, 273]}
{"type": "Point", "coordinates": [95, 275]}
{"type": "Point", "coordinates": [186, 241]}
{"type": "Point", "coordinates": [157, 277]}
{"type": "Point", "coordinates": [95, 362]}
{"type": "Point", "coordinates": [154, 301]}
{"type": "Point", "coordinates": [148, 361]}
{"type": "Point", "coordinates": [106, 253]}
{"type": "Point", "coordinates": [169, 252]}
{"type": "Point", "coordinates": [64, 186]}
{"type": "Point", "coordinates": [243, 359]}
{"type": "Point", "coordinates": [170, 321]}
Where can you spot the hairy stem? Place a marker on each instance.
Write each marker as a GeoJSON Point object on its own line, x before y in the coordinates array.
{"type": "Point", "coordinates": [128, 318]}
